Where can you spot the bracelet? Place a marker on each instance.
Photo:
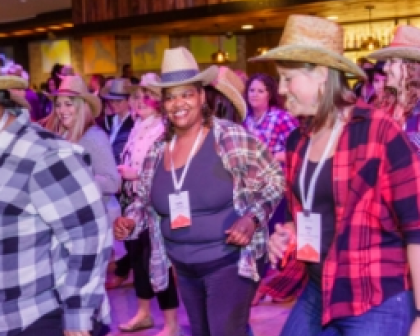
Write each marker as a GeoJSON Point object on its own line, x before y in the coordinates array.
{"type": "Point", "coordinates": [417, 312]}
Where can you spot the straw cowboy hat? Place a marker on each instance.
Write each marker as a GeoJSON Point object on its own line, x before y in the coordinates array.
{"type": "Point", "coordinates": [116, 90]}
{"type": "Point", "coordinates": [405, 44]}
{"type": "Point", "coordinates": [179, 67]}
{"type": "Point", "coordinates": [145, 82]}
{"type": "Point", "coordinates": [75, 86]}
{"type": "Point", "coordinates": [231, 85]}
{"type": "Point", "coordinates": [13, 77]}
{"type": "Point", "coordinates": [315, 40]}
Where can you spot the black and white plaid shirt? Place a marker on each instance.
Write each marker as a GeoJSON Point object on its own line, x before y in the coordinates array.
{"type": "Point", "coordinates": [55, 239]}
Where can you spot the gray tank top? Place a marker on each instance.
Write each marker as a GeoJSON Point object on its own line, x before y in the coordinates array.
{"type": "Point", "coordinates": [210, 188]}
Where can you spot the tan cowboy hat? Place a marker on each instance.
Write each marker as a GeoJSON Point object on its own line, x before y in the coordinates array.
{"type": "Point", "coordinates": [75, 86]}
{"type": "Point", "coordinates": [179, 67]}
{"type": "Point", "coordinates": [116, 90]}
{"type": "Point", "coordinates": [145, 81]}
{"type": "Point", "coordinates": [232, 86]}
{"type": "Point", "coordinates": [405, 44]}
{"type": "Point", "coordinates": [315, 40]}
{"type": "Point", "coordinates": [13, 77]}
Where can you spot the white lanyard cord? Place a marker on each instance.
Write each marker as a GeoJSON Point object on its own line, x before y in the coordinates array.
{"type": "Point", "coordinates": [307, 201]}
{"type": "Point", "coordinates": [178, 183]}
{"type": "Point", "coordinates": [3, 120]}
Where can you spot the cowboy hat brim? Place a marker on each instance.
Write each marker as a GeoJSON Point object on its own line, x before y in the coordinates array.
{"type": "Point", "coordinates": [312, 55]}
{"type": "Point", "coordinates": [12, 82]}
{"type": "Point", "coordinates": [410, 53]}
{"type": "Point", "coordinates": [93, 101]}
{"type": "Point", "coordinates": [21, 101]}
{"type": "Point", "coordinates": [133, 88]}
{"type": "Point", "coordinates": [234, 96]}
{"type": "Point", "coordinates": [205, 77]}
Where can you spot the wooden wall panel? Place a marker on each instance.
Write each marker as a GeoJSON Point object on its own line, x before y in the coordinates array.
{"type": "Point", "coordinates": [87, 11]}
{"type": "Point", "coordinates": [253, 42]}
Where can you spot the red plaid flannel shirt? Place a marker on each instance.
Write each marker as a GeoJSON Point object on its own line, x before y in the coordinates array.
{"type": "Point", "coordinates": [376, 185]}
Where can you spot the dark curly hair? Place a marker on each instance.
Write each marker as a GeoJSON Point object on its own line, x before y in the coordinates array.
{"type": "Point", "coordinates": [272, 87]}
{"type": "Point", "coordinates": [205, 110]}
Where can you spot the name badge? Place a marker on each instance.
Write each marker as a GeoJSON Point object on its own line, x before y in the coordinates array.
{"type": "Point", "coordinates": [309, 237]}
{"type": "Point", "coordinates": [179, 206]}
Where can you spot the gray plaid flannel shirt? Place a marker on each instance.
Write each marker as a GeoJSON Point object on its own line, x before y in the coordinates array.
{"type": "Point", "coordinates": [55, 238]}
{"type": "Point", "coordinates": [258, 188]}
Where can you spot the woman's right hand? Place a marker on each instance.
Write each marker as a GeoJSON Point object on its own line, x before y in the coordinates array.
{"type": "Point", "coordinates": [283, 236]}
{"type": "Point", "coordinates": [123, 227]}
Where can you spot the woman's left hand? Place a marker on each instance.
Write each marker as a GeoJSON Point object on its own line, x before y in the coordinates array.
{"type": "Point", "coordinates": [127, 172]}
{"type": "Point", "coordinates": [415, 328]}
{"type": "Point", "coordinates": [241, 231]}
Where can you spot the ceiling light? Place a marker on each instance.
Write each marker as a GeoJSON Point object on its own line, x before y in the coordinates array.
{"type": "Point", "coordinates": [22, 32]}
{"type": "Point", "coordinates": [67, 25]}
{"type": "Point", "coordinates": [220, 57]}
{"type": "Point", "coordinates": [55, 27]}
{"type": "Point", "coordinates": [247, 27]}
{"type": "Point", "coordinates": [332, 18]}
{"type": "Point", "coordinates": [371, 43]}
{"type": "Point", "coordinates": [40, 30]}
{"type": "Point", "coordinates": [3, 35]}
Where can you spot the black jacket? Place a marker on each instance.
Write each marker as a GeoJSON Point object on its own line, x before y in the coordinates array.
{"type": "Point", "coordinates": [122, 135]}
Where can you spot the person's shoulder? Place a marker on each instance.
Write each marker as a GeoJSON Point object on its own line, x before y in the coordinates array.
{"type": "Point", "coordinates": [228, 125]}
{"type": "Point", "coordinates": [95, 132]}
{"type": "Point", "coordinates": [41, 143]}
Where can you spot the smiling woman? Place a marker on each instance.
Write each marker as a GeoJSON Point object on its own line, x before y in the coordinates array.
{"type": "Point", "coordinates": [205, 193]}
{"type": "Point", "coordinates": [73, 118]}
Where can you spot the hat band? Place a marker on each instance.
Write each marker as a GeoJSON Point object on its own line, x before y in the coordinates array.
{"type": "Point", "coordinates": [178, 76]}
{"type": "Point", "coordinates": [403, 44]}
{"type": "Point", "coordinates": [69, 92]}
{"type": "Point", "coordinates": [124, 95]}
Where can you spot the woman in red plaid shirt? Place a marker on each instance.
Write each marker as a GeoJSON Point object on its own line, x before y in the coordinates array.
{"type": "Point", "coordinates": [353, 191]}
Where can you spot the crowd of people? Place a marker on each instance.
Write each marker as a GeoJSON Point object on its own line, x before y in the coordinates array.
{"type": "Point", "coordinates": [223, 188]}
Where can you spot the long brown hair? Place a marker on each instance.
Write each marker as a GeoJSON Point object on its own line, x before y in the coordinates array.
{"type": "Point", "coordinates": [83, 121]}
{"type": "Point", "coordinates": [336, 96]}
{"type": "Point", "coordinates": [205, 110]}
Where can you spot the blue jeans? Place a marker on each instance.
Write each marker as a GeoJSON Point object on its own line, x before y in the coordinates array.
{"type": "Point", "coordinates": [392, 318]}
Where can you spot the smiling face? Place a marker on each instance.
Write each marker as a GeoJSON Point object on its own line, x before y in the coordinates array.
{"type": "Point", "coordinates": [301, 87]}
{"type": "Point", "coordinates": [394, 69]}
{"type": "Point", "coordinates": [65, 107]}
{"type": "Point", "coordinates": [258, 95]}
{"type": "Point", "coordinates": [183, 106]}
{"type": "Point", "coordinates": [144, 103]}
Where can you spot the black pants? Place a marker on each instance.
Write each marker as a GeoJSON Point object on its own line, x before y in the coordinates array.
{"type": "Point", "coordinates": [140, 252]}
{"type": "Point", "coordinates": [51, 325]}
{"type": "Point", "coordinates": [123, 265]}
{"type": "Point", "coordinates": [216, 298]}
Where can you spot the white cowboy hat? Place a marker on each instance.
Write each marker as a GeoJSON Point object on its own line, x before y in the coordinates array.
{"type": "Point", "coordinates": [179, 67]}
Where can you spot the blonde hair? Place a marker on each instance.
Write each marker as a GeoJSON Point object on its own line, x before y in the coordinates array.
{"type": "Point", "coordinates": [83, 120]}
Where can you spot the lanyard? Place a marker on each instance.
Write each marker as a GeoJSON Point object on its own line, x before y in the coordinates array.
{"type": "Point", "coordinates": [178, 183]}
{"type": "Point", "coordinates": [308, 201]}
{"type": "Point", "coordinates": [3, 120]}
